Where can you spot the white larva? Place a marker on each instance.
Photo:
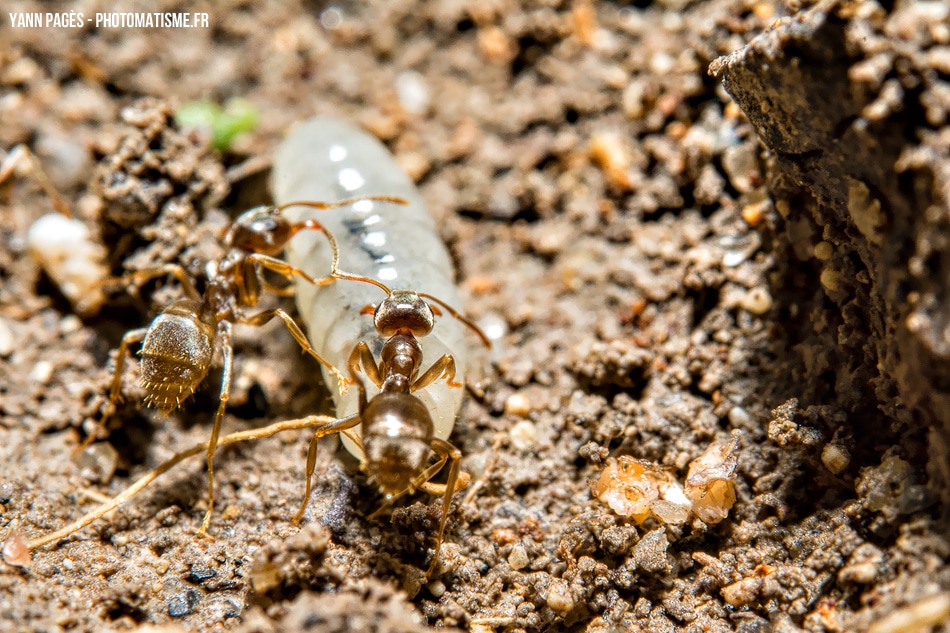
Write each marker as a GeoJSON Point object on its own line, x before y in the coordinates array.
{"type": "Point", "coordinates": [327, 159]}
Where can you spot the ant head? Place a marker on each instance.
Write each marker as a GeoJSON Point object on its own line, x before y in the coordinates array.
{"type": "Point", "coordinates": [260, 230]}
{"type": "Point", "coordinates": [403, 310]}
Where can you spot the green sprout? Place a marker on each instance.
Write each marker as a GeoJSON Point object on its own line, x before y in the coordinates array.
{"type": "Point", "coordinates": [237, 117]}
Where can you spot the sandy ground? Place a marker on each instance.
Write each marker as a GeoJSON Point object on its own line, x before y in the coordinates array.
{"type": "Point", "coordinates": [659, 274]}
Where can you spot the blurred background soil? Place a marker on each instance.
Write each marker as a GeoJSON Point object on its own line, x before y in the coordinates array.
{"type": "Point", "coordinates": [667, 268]}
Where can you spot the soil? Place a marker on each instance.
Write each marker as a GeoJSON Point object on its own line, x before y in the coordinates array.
{"type": "Point", "coordinates": [667, 268]}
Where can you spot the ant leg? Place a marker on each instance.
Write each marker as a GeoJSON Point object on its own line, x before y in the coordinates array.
{"type": "Point", "coordinates": [280, 291]}
{"type": "Point", "coordinates": [263, 317]}
{"type": "Point", "coordinates": [419, 480]}
{"type": "Point", "coordinates": [132, 336]}
{"type": "Point", "coordinates": [362, 355]}
{"type": "Point", "coordinates": [445, 366]}
{"type": "Point", "coordinates": [447, 451]}
{"type": "Point", "coordinates": [227, 350]}
{"type": "Point", "coordinates": [281, 267]}
{"type": "Point", "coordinates": [336, 426]}
{"type": "Point", "coordinates": [164, 467]}
{"type": "Point", "coordinates": [140, 277]}
{"type": "Point", "coordinates": [438, 490]}
{"type": "Point", "coordinates": [456, 481]}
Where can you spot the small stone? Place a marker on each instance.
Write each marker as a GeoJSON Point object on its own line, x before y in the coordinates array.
{"type": "Point", "coordinates": [649, 553]}
{"type": "Point", "coordinates": [413, 92]}
{"type": "Point", "coordinates": [231, 512]}
{"type": "Point", "coordinates": [835, 457]}
{"type": "Point", "coordinates": [182, 604]}
{"type": "Point", "coordinates": [42, 372]}
{"type": "Point", "coordinates": [518, 558]}
{"type": "Point", "coordinates": [824, 251]}
{"type": "Point", "coordinates": [742, 592]}
{"type": "Point", "coordinates": [559, 598]}
{"type": "Point", "coordinates": [523, 435]}
{"type": "Point", "coordinates": [6, 338]}
{"type": "Point", "coordinates": [757, 301]}
{"type": "Point", "coordinates": [518, 404]}
{"type": "Point", "coordinates": [98, 462]}
{"type": "Point", "coordinates": [16, 552]}
{"type": "Point", "coordinates": [739, 417]}
{"type": "Point", "coordinates": [436, 588]}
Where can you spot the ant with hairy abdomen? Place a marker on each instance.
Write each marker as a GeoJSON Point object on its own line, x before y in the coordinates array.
{"type": "Point", "coordinates": [179, 344]}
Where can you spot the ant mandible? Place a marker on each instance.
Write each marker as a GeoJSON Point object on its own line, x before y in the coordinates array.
{"type": "Point", "coordinates": [180, 342]}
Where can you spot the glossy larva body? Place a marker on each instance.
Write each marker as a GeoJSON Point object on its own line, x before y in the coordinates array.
{"type": "Point", "coordinates": [326, 158]}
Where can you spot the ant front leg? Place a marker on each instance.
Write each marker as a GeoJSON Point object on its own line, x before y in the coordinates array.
{"type": "Point", "coordinates": [284, 269]}
{"type": "Point", "coordinates": [263, 317]}
{"type": "Point", "coordinates": [132, 336]}
{"type": "Point", "coordinates": [280, 291]}
{"type": "Point", "coordinates": [362, 356]}
{"type": "Point", "coordinates": [140, 277]}
{"type": "Point", "coordinates": [445, 366]}
{"type": "Point", "coordinates": [336, 426]}
{"type": "Point", "coordinates": [227, 351]}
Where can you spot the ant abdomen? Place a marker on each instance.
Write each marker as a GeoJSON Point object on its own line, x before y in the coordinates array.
{"type": "Point", "coordinates": [397, 439]}
{"type": "Point", "coordinates": [176, 355]}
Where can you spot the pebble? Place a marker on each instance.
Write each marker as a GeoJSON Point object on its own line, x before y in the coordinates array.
{"type": "Point", "coordinates": [436, 588]}
{"type": "Point", "coordinates": [757, 301]}
{"type": "Point", "coordinates": [518, 404]}
{"type": "Point", "coordinates": [42, 371]}
{"type": "Point", "coordinates": [6, 338]}
{"type": "Point", "coordinates": [559, 598]}
{"type": "Point", "coordinates": [523, 435]}
{"type": "Point", "coordinates": [413, 92]}
{"type": "Point", "coordinates": [835, 458]}
{"type": "Point", "coordinates": [518, 558]}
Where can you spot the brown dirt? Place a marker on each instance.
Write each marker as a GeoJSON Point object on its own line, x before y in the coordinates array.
{"type": "Point", "coordinates": [658, 270]}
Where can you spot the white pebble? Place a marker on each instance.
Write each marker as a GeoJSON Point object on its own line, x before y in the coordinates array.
{"type": "Point", "coordinates": [42, 371]}
{"type": "Point", "coordinates": [559, 598]}
{"type": "Point", "coordinates": [739, 416]}
{"type": "Point", "coordinates": [66, 251]}
{"type": "Point", "coordinates": [413, 92]}
{"type": "Point", "coordinates": [757, 301]}
{"type": "Point", "coordinates": [6, 338]}
{"type": "Point", "coordinates": [493, 325]}
{"type": "Point", "coordinates": [518, 558]}
{"type": "Point", "coordinates": [523, 435]}
{"type": "Point", "coordinates": [733, 258]}
{"type": "Point", "coordinates": [518, 404]}
{"type": "Point", "coordinates": [436, 588]}
{"type": "Point", "coordinates": [70, 323]}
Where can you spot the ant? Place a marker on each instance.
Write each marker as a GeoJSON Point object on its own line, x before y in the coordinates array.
{"type": "Point", "coordinates": [181, 341]}
{"type": "Point", "coordinates": [396, 428]}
